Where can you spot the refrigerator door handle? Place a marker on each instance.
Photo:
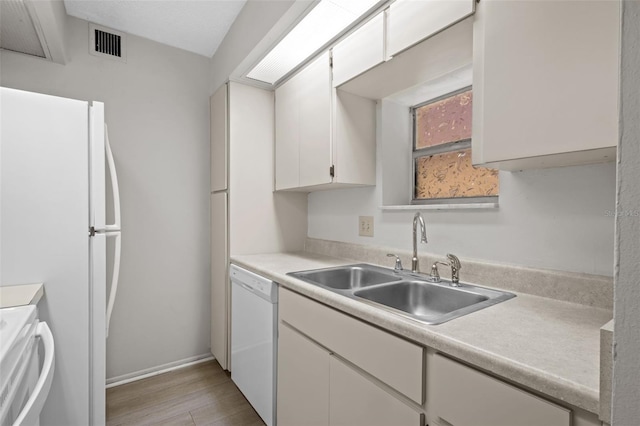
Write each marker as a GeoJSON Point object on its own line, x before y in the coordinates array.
{"type": "Point", "coordinates": [114, 183]}
{"type": "Point", "coordinates": [114, 277]}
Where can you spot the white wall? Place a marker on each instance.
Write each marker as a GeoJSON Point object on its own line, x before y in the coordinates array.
{"type": "Point", "coordinates": [553, 218]}
{"type": "Point", "coordinates": [157, 108]}
{"type": "Point", "coordinates": [626, 375]}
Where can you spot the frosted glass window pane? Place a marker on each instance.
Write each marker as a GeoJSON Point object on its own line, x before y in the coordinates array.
{"type": "Point", "coordinates": [444, 121]}
{"type": "Point", "coordinates": [451, 175]}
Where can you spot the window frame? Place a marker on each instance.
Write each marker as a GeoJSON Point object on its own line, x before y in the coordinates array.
{"type": "Point", "coordinates": [440, 149]}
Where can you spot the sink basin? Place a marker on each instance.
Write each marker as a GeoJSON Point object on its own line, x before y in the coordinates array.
{"type": "Point", "coordinates": [404, 293]}
{"type": "Point", "coordinates": [347, 277]}
{"type": "Point", "coordinates": [422, 300]}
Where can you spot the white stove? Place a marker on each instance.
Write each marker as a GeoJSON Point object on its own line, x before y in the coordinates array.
{"type": "Point", "coordinates": [24, 386]}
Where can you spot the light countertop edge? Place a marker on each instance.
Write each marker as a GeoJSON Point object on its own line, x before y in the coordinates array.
{"type": "Point", "coordinates": [547, 345]}
{"type": "Point", "coordinates": [20, 295]}
{"type": "Point", "coordinates": [606, 370]}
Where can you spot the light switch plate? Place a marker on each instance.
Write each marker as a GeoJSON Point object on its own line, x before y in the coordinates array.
{"type": "Point", "coordinates": [365, 226]}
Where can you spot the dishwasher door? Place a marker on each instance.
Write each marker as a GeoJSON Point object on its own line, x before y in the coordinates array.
{"type": "Point", "coordinates": [254, 317]}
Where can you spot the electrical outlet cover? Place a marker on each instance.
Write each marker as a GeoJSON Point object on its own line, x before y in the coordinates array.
{"type": "Point", "coordinates": [365, 226]}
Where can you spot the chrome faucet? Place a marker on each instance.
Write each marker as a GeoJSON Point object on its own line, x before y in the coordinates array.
{"type": "Point", "coordinates": [435, 275]}
{"type": "Point", "coordinates": [454, 262]}
{"type": "Point", "coordinates": [398, 266]}
{"type": "Point", "coordinates": [423, 238]}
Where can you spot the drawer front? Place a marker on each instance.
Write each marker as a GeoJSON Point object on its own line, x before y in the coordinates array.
{"type": "Point", "coordinates": [391, 359]}
{"type": "Point", "coordinates": [467, 397]}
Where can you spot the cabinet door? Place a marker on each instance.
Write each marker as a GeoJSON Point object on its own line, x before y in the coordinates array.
{"type": "Point", "coordinates": [303, 380]}
{"type": "Point", "coordinates": [218, 109]}
{"type": "Point", "coordinates": [466, 397]}
{"type": "Point", "coordinates": [359, 52]}
{"type": "Point", "coordinates": [219, 278]}
{"type": "Point", "coordinates": [287, 149]}
{"type": "Point", "coordinates": [411, 21]}
{"type": "Point", "coordinates": [549, 88]}
{"type": "Point", "coordinates": [362, 344]}
{"type": "Point", "coordinates": [355, 401]}
{"type": "Point", "coordinates": [314, 91]}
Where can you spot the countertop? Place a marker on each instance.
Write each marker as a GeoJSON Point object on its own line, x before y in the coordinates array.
{"type": "Point", "coordinates": [20, 295]}
{"type": "Point", "coordinates": [606, 370]}
{"type": "Point", "coordinates": [547, 345]}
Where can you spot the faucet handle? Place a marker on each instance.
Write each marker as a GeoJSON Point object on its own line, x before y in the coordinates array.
{"type": "Point", "coordinates": [455, 262]}
{"type": "Point", "coordinates": [435, 275]}
{"type": "Point", "coordinates": [455, 269]}
{"type": "Point", "coordinates": [398, 266]}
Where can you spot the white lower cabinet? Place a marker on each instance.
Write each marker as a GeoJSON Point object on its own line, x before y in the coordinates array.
{"type": "Point", "coordinates": [355, 400]}
{"type": "Point", "coordinates": [303, 380]}
{"type": "Point", "coordinates": [467, 397]}
{"type": "Point", "coordinates": [336, 370]}
{"type": "Point", "coordinates": [315, 388]}
{"type": "Point", "coordinates": [394, 361]}
{"type": "Point", "coordinates": [219, 278]}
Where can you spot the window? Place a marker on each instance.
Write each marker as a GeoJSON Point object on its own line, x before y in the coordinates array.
{"type": "Point", "coordinates": [442, 169]}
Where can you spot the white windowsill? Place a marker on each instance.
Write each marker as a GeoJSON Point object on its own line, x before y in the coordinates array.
{"type": "Point", "coordinates": [469, 206]}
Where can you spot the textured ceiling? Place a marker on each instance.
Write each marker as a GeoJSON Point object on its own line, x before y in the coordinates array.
{"type": "Point", "coordinates": [194, 25]}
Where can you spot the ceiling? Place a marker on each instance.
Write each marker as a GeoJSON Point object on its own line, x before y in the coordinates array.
{"type": "Point", "coordinates": [194, 25]}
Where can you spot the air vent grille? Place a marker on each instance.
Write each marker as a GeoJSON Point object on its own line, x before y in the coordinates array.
{"type": "Point", "coordinates": [107, 43]}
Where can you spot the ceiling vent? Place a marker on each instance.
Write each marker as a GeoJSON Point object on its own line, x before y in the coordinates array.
{"type": "Point", "coordinates": [107, 43]}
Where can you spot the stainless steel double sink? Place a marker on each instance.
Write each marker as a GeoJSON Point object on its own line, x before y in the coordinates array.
{"type": "Point", "coordinates": [404, 293]}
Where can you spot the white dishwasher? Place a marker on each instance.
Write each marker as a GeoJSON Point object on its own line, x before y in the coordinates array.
{"type": "Point", "coordinates": [254, 325]}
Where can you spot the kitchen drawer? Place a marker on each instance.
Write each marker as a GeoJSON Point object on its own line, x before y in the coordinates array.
{"type": "Point", "coordinates": [393, 360]}
{"type": "Point", "coordinates": [467, 397]}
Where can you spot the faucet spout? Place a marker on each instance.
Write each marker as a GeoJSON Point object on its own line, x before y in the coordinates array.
{"type": "Point", "coordinates": [417, 218]}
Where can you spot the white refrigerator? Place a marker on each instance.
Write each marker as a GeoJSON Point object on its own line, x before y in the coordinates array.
{"type": "Point", "coordinates": [53, 158]}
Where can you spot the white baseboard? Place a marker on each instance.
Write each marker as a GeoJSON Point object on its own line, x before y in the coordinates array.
{"type": "Point", "coordinates": [154, 371]}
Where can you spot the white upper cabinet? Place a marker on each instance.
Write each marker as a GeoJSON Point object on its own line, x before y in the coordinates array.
{"type": "Point", "coordinates": [545, 83]}
{"type": "Point", "coordinates": [323, 138]}
{"type": "Point", "coordinates": [303, 127]}
{"type": "Point", "coordinates": [313, 92]}
{"type": "Point", "coordinates": [411, 21]}
{"type": "Point", "coordinates": [360, 51]}
{"type": "Point", "coordinates": [287, 129]}
{"type": "Point", "coordinates": [218, 110]}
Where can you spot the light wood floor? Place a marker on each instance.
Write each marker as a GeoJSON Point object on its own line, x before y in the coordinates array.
{"type": "Point", "coordinates": [202, 394]}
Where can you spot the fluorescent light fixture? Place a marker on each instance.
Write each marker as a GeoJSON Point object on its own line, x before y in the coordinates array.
{"type": "Point", "coordinates": [328, 19]}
